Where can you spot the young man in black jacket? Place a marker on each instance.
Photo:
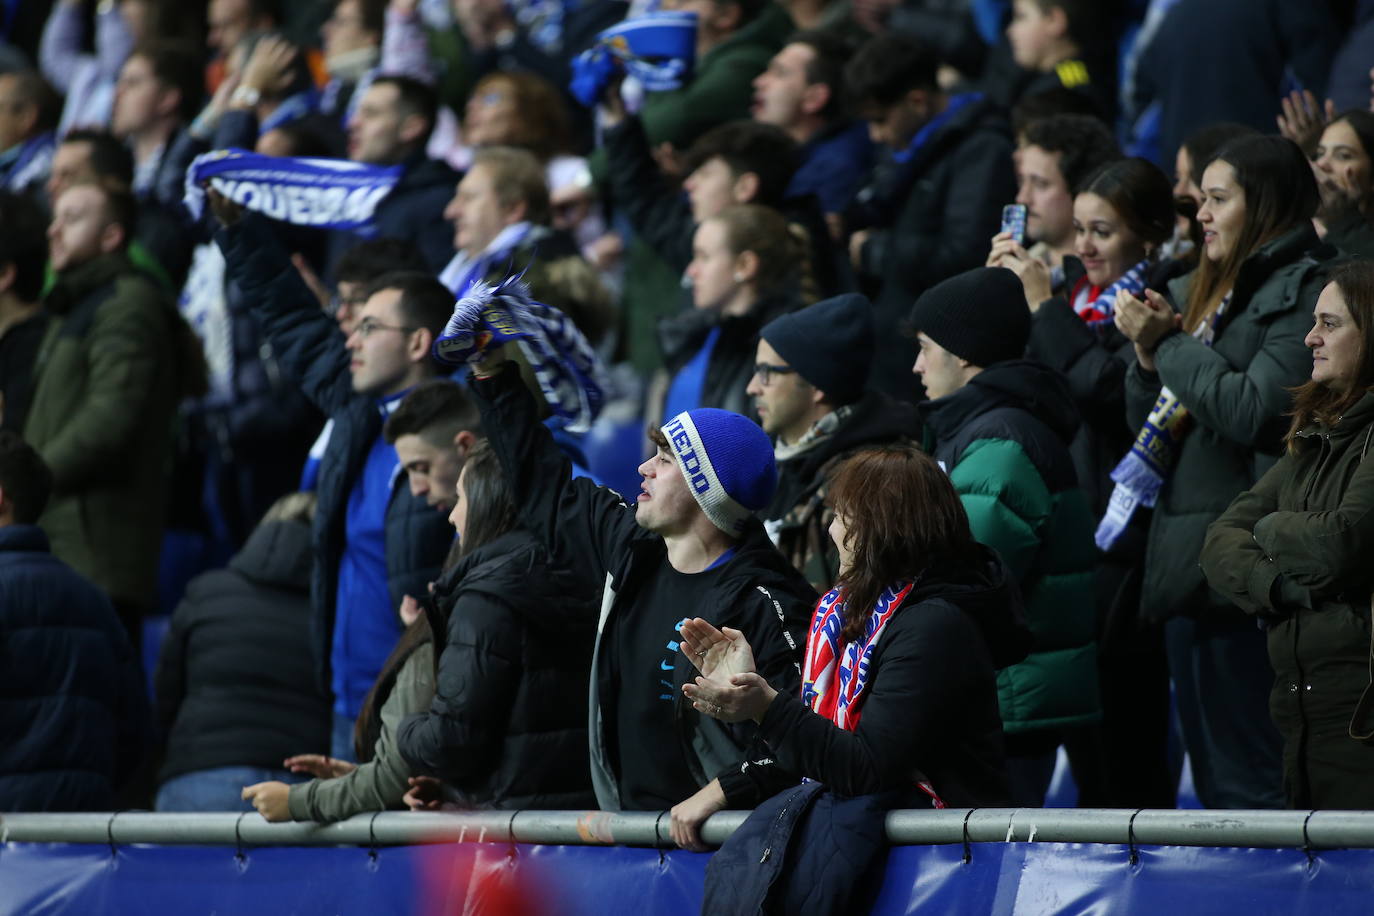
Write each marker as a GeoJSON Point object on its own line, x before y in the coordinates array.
{"type": "Point", "coordinates": [690, 545]}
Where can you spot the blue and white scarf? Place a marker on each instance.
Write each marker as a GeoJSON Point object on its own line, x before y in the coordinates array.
{"type": "Point", "coordinates": [328, 193]}
{"type": "Point", "coordinates": [571, 376]}
{"type": "Point", "coordinates": [466, 269]}
{"type": "Point", "coordinates": [657, 49]}
{"type": "Point", "coordinates": [1100, 311]}
{"type": "Point", "coordinates": [1142, 473]}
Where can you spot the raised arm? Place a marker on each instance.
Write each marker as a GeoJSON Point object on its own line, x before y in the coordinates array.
{"type": "Point", "coordinates": [585, 526]}
{"type": "Point", "coordinates": [306, 341]}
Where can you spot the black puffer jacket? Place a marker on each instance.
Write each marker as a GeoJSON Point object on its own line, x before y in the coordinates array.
{"type": "Point", "coordinates": [928, 219]}
{"type": "Point", "coordinates": [508, 724]}
{"type": "Point", "coordinates": [73, 715]}
{"type": "Point", "coordinates": [231, 686]}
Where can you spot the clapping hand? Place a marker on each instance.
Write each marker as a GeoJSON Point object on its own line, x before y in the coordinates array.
{"type": "Point", "coordinates": [729, 688]}
{"type": "Point", "coordinates": [1144, 323]}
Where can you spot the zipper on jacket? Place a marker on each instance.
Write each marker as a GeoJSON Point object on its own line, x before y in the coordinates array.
{"type": "Point", "coordinates": [768, 850]}
{"type": "Point", "coordinates": [1316, 474]}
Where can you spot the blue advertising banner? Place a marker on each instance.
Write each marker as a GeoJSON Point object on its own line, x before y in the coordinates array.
{"type": "Point", "coordinates": [1000, 878]}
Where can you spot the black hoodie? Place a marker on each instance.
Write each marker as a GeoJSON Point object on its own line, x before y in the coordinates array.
{"type": "Point", "coordinates": [932, 700]}
{"type": "Point", "coordinates": [234, 686]}
{"type": "Point", "coordinates": [508, 724]}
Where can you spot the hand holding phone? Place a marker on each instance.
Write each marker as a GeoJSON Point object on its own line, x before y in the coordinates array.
{"type": "Point", "coordinates": [1014, 222]}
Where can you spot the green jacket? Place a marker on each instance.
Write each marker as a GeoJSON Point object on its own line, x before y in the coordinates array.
{"type": "Point", "coordinates": [1004, 440]}
{"type": "Point", "coordinates": [109, 375]}
{"type": "Point", "coordinates": [1237, 392]}
{"type": "Point", "coordinates": [380, 783]}
{"type": "Point", "coordinates": [1295, 549]}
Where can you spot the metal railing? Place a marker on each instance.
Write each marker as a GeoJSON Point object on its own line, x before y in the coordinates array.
{"type": "Point", "coordinates": [1278, 829]}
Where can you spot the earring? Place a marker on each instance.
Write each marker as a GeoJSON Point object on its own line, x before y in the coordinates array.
{"type": "Point", "coordinates": [739, 277]}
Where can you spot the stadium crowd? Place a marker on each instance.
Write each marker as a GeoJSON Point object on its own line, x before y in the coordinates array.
{"type": "Point", "coordinates": [1007, 367]}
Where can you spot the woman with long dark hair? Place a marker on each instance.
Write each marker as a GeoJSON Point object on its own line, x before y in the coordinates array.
{"type": "Point", "coordinates": [1208, 391]}
{"type": "Point", "coordinates": [508, 725]}
{"type": "Point", "coordinates": [1123, 215]}
{"type": "Point", "coordinates": [1294, 550]}
{"type": "Point", "coordinates": [900, 674]}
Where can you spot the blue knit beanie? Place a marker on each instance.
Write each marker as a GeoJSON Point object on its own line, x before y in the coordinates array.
{"type": "Point", "coordinates": [727, 461]}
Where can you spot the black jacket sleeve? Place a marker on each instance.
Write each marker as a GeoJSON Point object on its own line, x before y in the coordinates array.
{"type": "Point", "coordinates": [658, 212]}
{"type": "Point", "coordinates": [459, 739]}
{"type": "Point", "coordinates": [585, 527]}
{"type": "Point", "coordinates": [1094, 368]}
{"type": "Point", "coordinates": [919, 683]}
{"type": "Point", "coordinates": [307, 342]}
{"type": "Point", "coordinates": [772, 622]}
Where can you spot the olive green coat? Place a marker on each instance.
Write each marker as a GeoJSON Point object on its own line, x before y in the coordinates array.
{"type": "Point", "coordinates": [1296, 549]}
{"type": "Point", "coordinates": [108, 379]}
{"type": "Point", "coordinates": [1237, 393]}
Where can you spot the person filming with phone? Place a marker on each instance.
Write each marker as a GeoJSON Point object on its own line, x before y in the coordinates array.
{"type": "Point", "coordinates": [1122, 214]}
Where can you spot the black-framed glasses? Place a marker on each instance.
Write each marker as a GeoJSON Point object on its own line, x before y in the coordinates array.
{"type": "Point", "coordinates": [365, 327]}
{"type": "Point", "coordinates": [764, 372]}
{"type": "Point", "coordinates": [337, 302]}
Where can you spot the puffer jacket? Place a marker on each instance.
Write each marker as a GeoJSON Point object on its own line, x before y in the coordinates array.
{"type": "Point", "coordinates": [1237, 392]}
{"type": "Point", "coordinates": [508, 724]}
{"type": "Point", "coordinates": [74, 717]}
{"type": "Point", "coordinates": [930, 218]}
{"type": "Point", "coordinates": [1004, 439]}
{"type": "Point", "coordinates": [1295, 549]}
{"type": "Point", "coordinates": [231, 688]}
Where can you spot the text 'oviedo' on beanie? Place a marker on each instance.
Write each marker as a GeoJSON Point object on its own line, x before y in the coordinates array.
{"type": "Point", "coordinates": [979, 315]}
{"type": "Point", "coordinates": [727, 463]}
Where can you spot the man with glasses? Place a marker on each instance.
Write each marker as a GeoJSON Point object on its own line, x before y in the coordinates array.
{"type": "Point", "coordinates": [375, 541]}
{"type": "Point", "coordinates": [811, 400]}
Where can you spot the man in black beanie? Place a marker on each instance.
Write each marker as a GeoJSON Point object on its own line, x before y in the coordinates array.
{"type": "Point", "coordinates": [808, 389]}
{"type": "Point", "coordinates": [1000, 425]}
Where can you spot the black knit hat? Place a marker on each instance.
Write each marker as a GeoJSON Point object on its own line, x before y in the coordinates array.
{"type": "Point", "coordinates": [980, 316]}
{"type": "Point", "coordinates": [830, 344]}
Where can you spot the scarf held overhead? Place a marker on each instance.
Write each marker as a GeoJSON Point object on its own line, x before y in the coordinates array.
{"type": "Point", "coordinates": [329, 193]}
{"type": "Point", "coordinates": [571, 376]}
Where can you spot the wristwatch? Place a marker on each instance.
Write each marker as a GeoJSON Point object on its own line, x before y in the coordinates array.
{"type": "Point", "coordinates": [246, 96]}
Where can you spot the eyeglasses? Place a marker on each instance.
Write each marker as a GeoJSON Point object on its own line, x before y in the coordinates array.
{"type": "Point", "coordinates": [365, 328]}
{"type": "Point", "coordinates": [764, 372]}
